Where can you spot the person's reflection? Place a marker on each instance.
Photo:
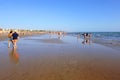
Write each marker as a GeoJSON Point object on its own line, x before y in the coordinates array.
{"type": "Point", "coordinates": [59, 37]}
{"type": "Point", "coordinates": [86, 41]}
{"type": "Point", "coordinates": [78, 37]}
{"type": "Point", "coordinates": [14, 56]}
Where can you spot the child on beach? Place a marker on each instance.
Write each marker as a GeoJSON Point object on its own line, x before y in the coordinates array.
{"type": "Point", "coordinates": [10, 38]}
{"type": "Point", "coordinates": [15, 37]}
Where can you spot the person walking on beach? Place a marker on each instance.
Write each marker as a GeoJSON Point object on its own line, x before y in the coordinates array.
{"type": "Point", "coordinates": [59, 35]}
{"type": "Point", "coordinates": [15, 37]}
{"type": "Point", "coordinates": [10, 38]}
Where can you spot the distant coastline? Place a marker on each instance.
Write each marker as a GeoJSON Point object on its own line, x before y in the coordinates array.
{"type": "Point", "coordinates": [23, 33]}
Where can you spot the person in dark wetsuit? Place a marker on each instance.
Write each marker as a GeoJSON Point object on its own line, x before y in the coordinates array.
{"type": "Point", "coordinates": [15, 37]}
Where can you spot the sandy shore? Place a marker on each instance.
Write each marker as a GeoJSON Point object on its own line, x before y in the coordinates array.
{"type": "Point", "coordinates": [4, 36]}
{"type": "Point", "coordinates": [115, 44]}
{"type": "Point", "coordinates": [49, 58]}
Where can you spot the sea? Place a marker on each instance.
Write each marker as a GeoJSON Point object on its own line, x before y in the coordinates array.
{"type": "Point", "coordinates": [100, 35]}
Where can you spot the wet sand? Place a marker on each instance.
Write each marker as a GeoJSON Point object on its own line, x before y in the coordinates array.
{"type": "Point", "coordinates": [115, 44]}
{"type": "Point", "coordinates": [44, 58]}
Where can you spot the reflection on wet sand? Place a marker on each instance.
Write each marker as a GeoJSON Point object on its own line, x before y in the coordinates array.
{"type": "Point", "coordinates": [69, 61]}
{"type": "Point", "coordinates": [86, 41]}
{"type": "Point", "coordinates": [78, 38]}
{"type": "Point", "coordinates": [14, 56]}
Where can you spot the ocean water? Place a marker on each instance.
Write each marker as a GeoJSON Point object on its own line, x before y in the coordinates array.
{"type": "Point", "coordinates": [101, 35]}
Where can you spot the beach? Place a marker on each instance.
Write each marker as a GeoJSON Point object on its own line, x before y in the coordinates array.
{"type": "Point", "coordinates": [108, 39]}
{"type": "Point", "coordinates": [46, 57]}
{"type": "Point", "coordinates": [4, 35]}
{"type": "Point", "coordinates": [115, 44]}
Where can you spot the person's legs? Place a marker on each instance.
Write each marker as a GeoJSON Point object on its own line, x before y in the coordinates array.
{"type": "Point", "coordinates": [15, 43]}
{"type": "Point", "coordinates": [9, 43]}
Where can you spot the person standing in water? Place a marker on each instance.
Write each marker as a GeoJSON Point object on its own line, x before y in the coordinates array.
{"type": "Point", "coordinates": [10, 38]}
{"type": "Point", "coordinates": [15, 37]}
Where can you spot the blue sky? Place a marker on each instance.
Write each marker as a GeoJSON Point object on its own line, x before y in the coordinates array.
{"type": "Point", "coordinates": [67, 15]}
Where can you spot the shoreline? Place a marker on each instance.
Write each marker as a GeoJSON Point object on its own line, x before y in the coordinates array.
{"type": "Point", "coordinates": [114, 44]}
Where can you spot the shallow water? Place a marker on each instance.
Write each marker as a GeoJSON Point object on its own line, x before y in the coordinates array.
{"type": "Point", "coordinates": [47, 57]}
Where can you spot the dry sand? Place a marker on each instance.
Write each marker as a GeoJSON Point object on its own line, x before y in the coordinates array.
{"type": "Point", "coordinates": [38, 58]}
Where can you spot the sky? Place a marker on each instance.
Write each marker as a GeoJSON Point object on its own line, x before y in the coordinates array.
{"type": "Point", "coordinates": [64, 15]}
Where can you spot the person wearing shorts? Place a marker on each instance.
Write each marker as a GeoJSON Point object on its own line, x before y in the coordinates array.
{"type": "Point", "coordinates": [10, 38]}
{"type": "Point", "coordinates": [15, 36]}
